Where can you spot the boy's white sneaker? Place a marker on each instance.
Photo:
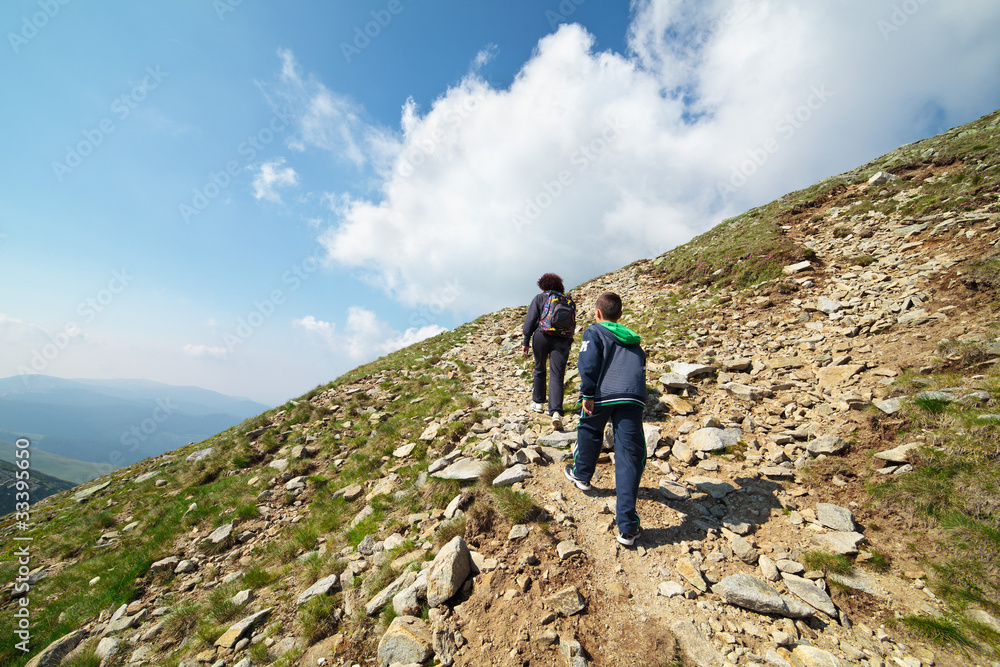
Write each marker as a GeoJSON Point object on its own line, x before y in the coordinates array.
{"type": "Point", "coordinates": [580, 484]}
{"type": "Point", "coordinates": [556, 421]}
{"type": "Point", "coordinates": [628, 539]}
{"type": "Point", "coordinates": [537, 407]}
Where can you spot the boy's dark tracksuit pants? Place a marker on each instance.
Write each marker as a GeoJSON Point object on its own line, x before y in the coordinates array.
{"type": "Point", "coordinates": [630, 455]}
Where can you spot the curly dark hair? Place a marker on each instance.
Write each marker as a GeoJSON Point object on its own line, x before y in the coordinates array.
{"type": "Point", "coordinates": [551, 281]}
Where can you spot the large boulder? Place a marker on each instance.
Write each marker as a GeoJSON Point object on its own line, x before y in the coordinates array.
{"type": "Point", "coordinates": [749, 592]}
{"type": "Point", "coordinates": [408, 640]}
{"type": "Point", "coordinates": [448, 572]}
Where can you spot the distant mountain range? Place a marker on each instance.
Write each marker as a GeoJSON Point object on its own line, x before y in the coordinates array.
{"type": "Point", "coordinates": [93, 426]}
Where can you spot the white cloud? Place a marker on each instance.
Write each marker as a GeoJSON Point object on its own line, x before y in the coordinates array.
{"type": "Point", "coordinates": [590, 160]}
{"type": "Point", "coordinates": [270, 177]}
{"type": "Point", "coordinates": [365, 336]}
{"type": "Point", "coordinates": [327, 120]}
{"type": "Point", "coordinates": [206, 352]}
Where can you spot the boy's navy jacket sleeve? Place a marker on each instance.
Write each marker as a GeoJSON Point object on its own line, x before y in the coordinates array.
{"type": "Point", "coordinates": [533, 316]}
{"type": "Point", "coordinates": [590, 362]}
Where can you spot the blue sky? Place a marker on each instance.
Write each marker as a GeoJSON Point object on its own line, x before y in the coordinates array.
{"type": "Point", "coordinates": [254, 197]}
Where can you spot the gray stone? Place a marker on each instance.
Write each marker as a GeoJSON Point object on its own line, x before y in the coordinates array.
{"type": "Point", "coordinates": [567, 549]}
{"type": "Point", "coordinates": [749, 592]}
{"type": "Point", "coordinates": [673, 490]}
{"type": "Point", "coordinates": [81, 496]}
{"type": "Point", "coordinates": [572, 653]}
{"type": "Point", "coordinates": [239, 630]}
{"type": "Point", "coordinates": [889, 406]}
{"type": "Point", "coordinates": [839, 542]}
{"type": "Point", "coordinates": [835, 517]}
{"type": "Point", "coordinates": [518, 532]}
{"type": "Point", "coordinates": [465, 469]}
{"type": "Point", "coordinates": [200, 454]}
{"type": "Point", "coordinates": [220, 534]}
{"type": "Point", "coordinates": [716, 488]}
{"type": "Point", "coordinates": [768, 569]}
{"type": "Point", "coordinates": [566, 602]}
{"type": "Point", "coordinates": [53, 654]}
{"type": "Point", "coordinates": [827, 305]}
{"type": "Point", "coordinates": [670, 589]}
{"type": "Point", "coordinates": [811, 594]}
{"type": "Point", "coordinates": [827, 444]}
{"type": "Point", "coordinates": [407, 601]}
{"type": "Point", "coordinates": [383, 597]}
{"type": "Point", "coordinates": [696, 650]}
{"type": "Point", "coordinates": [558, 439]}
{"type": "Point", "coordinates": [687, 371]}
{"type": "Point", "coordinates": [709, 440]}
{"type": "Point", "coordinates": [185, 566]}
{"type": "Point", "coordinates": [408, 640]}
{"type": "Point", "coordinates": [674, 381]}
{"type": "Point", "coordinates": [745, 392]}
{"type": "Point", "coordinates": [513, 475]}
{"type": "Point", "coordinates": [898, 454]}
{"type": "Point", "coordinates": [168, 563]}
{"type": "Point", "coordinates": [321, 587]}
{"type": "Point", "coordinates": [688, 569]}
{"type": "Point", "coordinates": [448, 572]}
{"type": "Point", "coordinates": [683, 453]}
{"type": "Point", "coordinates": [881, 178]}
{"type": "Point", "coordinates": [810, 656]}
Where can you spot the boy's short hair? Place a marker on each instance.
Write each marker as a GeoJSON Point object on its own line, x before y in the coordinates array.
{"type": "Point", "coordinates": [610, 305]}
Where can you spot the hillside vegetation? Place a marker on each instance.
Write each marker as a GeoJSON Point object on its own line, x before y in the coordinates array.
{"type": "Point", "coordinates": [823, 430]}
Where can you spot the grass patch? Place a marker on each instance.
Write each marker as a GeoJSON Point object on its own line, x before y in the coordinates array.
{"type": "Point", "coordinates": [939, 630]}
{"type": "Point", "coordinates": [827, 562]}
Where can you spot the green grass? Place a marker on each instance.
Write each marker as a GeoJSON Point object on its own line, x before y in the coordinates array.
{"type": "Point", "coordinates": [939, 630]}
{"type": "Point", "coordinates": [827, 562]}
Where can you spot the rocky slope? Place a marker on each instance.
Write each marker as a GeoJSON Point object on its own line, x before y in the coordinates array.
{"type": "Point", "coordinates": [414, 511]}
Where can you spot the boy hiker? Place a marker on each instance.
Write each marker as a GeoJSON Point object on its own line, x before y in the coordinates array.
{"type": "Point", "coordinates": [548, 330]}
{"type": "Point", "coordinates": [612, 386]}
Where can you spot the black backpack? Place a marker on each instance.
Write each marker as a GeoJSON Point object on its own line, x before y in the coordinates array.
{"type": "Point", "coordinates": [558, 315]}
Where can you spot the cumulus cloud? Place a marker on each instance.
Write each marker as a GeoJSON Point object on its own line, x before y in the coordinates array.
{"type": "Point", "coordinates": [364, 336]}
{"type": "Point", "coordinates": [206, 352]}
{"type": "Point", "coordinates": [270, 177]}
{"type": "Point", "coordinates": [589, 160]}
